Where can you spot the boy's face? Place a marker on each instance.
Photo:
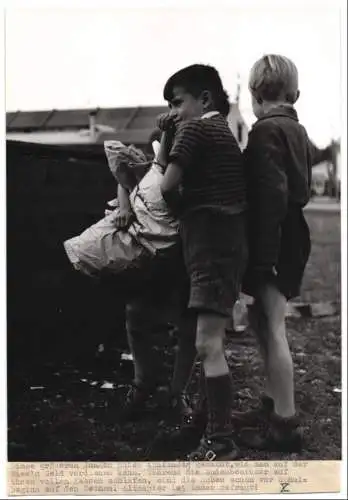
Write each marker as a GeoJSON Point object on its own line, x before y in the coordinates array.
{"type": "Point", "coordinates": [185, 106]}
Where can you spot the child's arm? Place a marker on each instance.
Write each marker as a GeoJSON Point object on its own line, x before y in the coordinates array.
{"type": "Point", "coordinates": [165, 147]}
{"type": "Point", "coordinates": [124, 215]}
{"type": "Point", "coordinates": [172, 172]}
{"type": "Point", "coordinates": [325, 154]}
{"type": "Point", "coordinates": [268, 196]}
{"type": "Point", "coordinates": [170, 188]}
{"type": "Point", "coordinates": [167, 124]}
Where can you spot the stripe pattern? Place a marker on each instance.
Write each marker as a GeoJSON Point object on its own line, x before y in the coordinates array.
{"type": "Point", "coordinates": [212, 162]}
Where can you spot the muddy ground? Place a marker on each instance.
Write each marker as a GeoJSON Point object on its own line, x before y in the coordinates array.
{"type": "Point", "coordinates": [59, 407]}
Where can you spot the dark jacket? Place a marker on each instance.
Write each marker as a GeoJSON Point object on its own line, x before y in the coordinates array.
{"type": "Point", "coordinates": [278, 161]}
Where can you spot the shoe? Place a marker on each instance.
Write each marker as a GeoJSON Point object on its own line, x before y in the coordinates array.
{"type": "Point", "coordinates": [183, 437]}
{"type": "Point", "coordinates": [282, 435]}
{"type": "Point", "coordinates": [256, 417]}
{"type": "Point", "coordinates": [180, 408]}
{"type": "Point", "coordinates": [173, 408]}
{"type": "Point", "coordinates": [217, 448]}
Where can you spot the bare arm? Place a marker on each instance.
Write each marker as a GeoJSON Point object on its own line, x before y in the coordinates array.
{"type": "Point", "coordinates": [124, 215]}
{"type": "Point", "coordinates": [123, 198]}
{"type": "Point", "coordinates": [165, 146]}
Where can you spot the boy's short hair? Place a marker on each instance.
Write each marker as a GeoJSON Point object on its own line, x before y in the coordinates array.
{"type": "Point", "coordinates": [195, 79]}
{"type": "Point", "coordinates": [274, 77]}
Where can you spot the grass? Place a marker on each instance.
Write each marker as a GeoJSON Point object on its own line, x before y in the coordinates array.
{"type": "Point", "coordinates": [323, 272]}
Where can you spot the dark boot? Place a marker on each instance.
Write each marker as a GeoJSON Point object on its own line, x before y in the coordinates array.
{"type": "Point", "coordinates": [255, 417]}
{"type": "Point", "coordinates": [180, 408]}
{"type": "Point", "coordinates": [192, 427]}
{"type": "Point", "coordinates": [174, 408]}
{"type": "Point", "coordinates": [218, 447]}
{"type": "Point", "coordinates": [186, 435]}
{"type": "Point", "coordinates": [217, 443]}
{"type": "Point", "coordinates": [136, 402]}
{"type": "Point", "coordinates": [282, 435]}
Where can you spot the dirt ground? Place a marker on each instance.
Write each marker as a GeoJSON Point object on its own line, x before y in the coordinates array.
{"type": "Point", "coordinates": [62, 410]}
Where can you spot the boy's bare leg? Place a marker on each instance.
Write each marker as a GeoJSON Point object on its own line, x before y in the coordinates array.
{"type": "Point", "coordinates": [279, 365]}
{"type": "Point", "coordinates": [142, 317]}
{"type": "Point", "coordinates": [258, 324]}
{"type": "Point", "coordinates": [253, 417]}
{"type": "Point", "coordinates": [140, 321]}
{"type": "Point", "coordinates": [209, 344]}
{"type": "Point", "coordinates": [283, 432]}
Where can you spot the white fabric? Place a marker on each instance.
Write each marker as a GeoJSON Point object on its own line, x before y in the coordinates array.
{"type": "Point", "coordinates": [155, 227]}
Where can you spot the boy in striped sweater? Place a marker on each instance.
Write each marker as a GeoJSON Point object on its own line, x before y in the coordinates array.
{"type": "Point", "coordinates": [204, 186]}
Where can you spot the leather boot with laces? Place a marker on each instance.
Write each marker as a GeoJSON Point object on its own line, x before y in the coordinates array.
{"type": "Point", "coordinates": [217, 448]}
{"type": "Point", "coordinates": [217, 443]}
{"type": "Point", "coordinates": [281, 435]}
{"type": "Point", "coordinates": [176, 441]}
{"type": "Point", "coordinates": [187, 434]}
{"type": "Point", "coordinates": [180, 408]}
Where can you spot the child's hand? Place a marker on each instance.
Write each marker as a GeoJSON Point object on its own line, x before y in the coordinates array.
{"type": "Point", "coordinates": [123, 219]}
{"type": "Point", "coordinates": [167, 121]}
{"type": "Point", "coordinates": [111, 207]}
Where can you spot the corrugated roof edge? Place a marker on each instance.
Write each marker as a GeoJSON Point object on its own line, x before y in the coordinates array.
{"type": "Point", "coordinates": [13, 122]}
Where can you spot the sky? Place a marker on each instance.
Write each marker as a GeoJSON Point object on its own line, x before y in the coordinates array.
{"type": "Point", "coordinates": [108, 57]}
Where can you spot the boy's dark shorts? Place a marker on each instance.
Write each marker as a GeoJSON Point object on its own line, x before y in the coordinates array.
{"type": "Point", "coordinates": [215, 255]}
{"type": "Point", "coordinates": [157, 279]}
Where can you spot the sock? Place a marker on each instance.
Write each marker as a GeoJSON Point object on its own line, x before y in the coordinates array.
{"type": "Point", "coordinates": [219, 395]}
{"type": "Point", "coordinates": [201, 406]}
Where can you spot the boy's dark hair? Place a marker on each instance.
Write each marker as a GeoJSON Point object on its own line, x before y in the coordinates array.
{"type": "Point", "coordinates": [195, 79]}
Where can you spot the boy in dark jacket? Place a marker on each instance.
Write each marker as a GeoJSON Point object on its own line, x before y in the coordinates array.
{"type": "Point", "coordinates": [278, 168]}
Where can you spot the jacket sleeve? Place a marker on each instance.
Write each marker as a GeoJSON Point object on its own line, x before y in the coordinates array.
{"type": "Point", "coordinates": [318, 155]}
{"type": "Point", "coordinates": [268, 194]}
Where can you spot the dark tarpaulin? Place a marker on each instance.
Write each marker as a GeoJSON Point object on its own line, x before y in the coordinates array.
{"type": "Point", "coordinates": [54, 193]}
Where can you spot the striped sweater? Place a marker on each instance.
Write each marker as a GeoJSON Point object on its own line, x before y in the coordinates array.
{"type": "Point", "coordinates": [212, 164]}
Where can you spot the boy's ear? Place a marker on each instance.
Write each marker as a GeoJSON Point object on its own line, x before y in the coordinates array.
{"type": "Point", "coordinates": [292, 98]}
{"type": "Point", "coordinates": [206, 98]}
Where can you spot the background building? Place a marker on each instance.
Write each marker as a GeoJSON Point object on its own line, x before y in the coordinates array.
{"type": "Point", "coordinates": [130, 125]}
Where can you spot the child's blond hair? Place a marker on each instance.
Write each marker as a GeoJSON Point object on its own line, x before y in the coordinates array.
{"type": "Point", "coordinates": [274, 78]}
